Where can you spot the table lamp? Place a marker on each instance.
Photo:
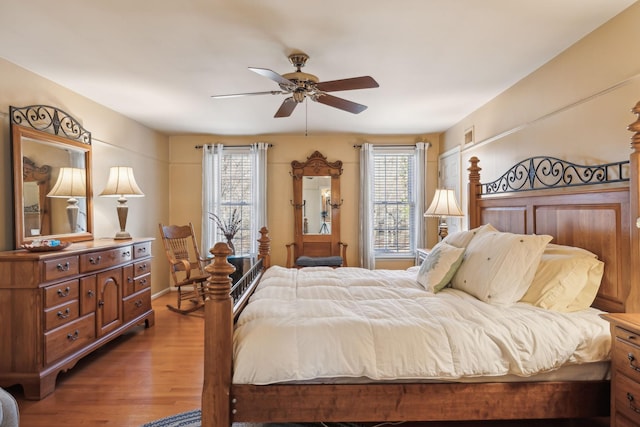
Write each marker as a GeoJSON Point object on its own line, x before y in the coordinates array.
{"type": "Point", "coordinates": [443, 205]}
{"type": "Point", "coordinates": [122, 184]}
{"type": "Point", "coordinates": [71, 183]}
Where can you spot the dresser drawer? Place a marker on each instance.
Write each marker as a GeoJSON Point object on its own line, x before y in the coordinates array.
{"type": "Point", "coordinates": [141, 250]}
{"type": "Point", "coordinates": [60, 268]}
{"type": "Point", "coordinates": [61, 314]}
{"type": "Point", "coordinates": [627, 398]}
{"type": "Point", "coordinates": [104, 259]}
{"type": "Point", "coordinates": [141, 267]}
{"type": "Point", "coordinates": [60, 293]}
{"type": "Point", "coordinates": [70, 337]}
{"type": "Point", "coordinates": [137, 284]}
{"type": "Point", "coordinates": [626, 358]}
{"type": "Point", "coordinates": [137, 304]}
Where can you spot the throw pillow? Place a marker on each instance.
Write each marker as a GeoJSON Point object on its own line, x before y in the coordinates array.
{"type": "Point", "coordinates": [439, 266]}
{"type": "Point", "coordinates": [499, 267]}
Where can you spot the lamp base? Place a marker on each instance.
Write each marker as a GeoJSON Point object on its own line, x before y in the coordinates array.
{"type": "Point", "coordinates": [122, 235]}
{"type": "Point", "coordinates": [443, 229]}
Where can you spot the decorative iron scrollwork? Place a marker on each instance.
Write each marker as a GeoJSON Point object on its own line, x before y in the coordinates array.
{"type": "Point", "coordinates": [51, 120]}
{"type": "Point", "coordinates": [537, 173]}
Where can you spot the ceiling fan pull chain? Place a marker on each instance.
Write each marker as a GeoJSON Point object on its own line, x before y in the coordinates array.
{"type": "Point", "coordinates": [306, 117]}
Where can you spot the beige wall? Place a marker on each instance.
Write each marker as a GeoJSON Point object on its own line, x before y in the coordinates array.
{"type": "Point", "coordinates": [117, 141]}
{"type": "Point", "coordinates": [186, 177]}
{"type": "Point", "coordinates": [576, 107]}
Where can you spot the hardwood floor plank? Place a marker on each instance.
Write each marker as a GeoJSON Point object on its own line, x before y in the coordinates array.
{"type": "Point", "coordinates": [152, 373]}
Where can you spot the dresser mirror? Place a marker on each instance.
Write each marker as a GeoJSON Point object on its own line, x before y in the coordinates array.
{"type": "Point", "coordinates": [51, 162]}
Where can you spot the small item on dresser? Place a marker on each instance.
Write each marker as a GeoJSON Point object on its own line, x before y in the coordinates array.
{"type": "Point", "coordinates": [46, 245]}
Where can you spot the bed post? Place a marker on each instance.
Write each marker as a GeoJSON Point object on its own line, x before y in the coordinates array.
{"type": "Point", "coordinates": [264, 248]}
{"type": "Point", "coordinates": [218, 336]}
{"type": "Point", "coordinates": [632, 303]}
{"type": "Point", "coordinates": [474, 192]}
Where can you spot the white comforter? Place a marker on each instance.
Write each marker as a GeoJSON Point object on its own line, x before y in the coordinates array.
{"type": "Point", "coordinates": [316, 323]}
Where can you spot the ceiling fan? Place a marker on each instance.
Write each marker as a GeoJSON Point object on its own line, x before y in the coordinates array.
{"type": "Point", "coordinates": [301, 85]}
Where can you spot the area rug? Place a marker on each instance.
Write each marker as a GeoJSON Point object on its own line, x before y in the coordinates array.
{"type": "Point", "coordinates": [184, 419]}
{"type": "Point", "coordinates": [192, 419]}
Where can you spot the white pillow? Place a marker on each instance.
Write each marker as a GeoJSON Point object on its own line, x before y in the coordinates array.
{"type": "Point", "coordinates": [439, 266]}
{"type": "Point", "coordinates": [498, 267]}
{"type": "Point", "coordinates": [565, 281]}
{"type": "Point", "coordinates": [461, 239]}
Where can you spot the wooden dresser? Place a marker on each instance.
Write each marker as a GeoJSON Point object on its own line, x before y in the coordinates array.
{"type": "Point", "coordinates": [625, 369]}
{"type": "Point", "coordinates": [56, 307]}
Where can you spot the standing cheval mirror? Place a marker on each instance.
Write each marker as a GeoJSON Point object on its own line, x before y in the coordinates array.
{"type": "Point", "coordinates": [316, 202]}
{"type": "Point", "coordinates": [51, 163]}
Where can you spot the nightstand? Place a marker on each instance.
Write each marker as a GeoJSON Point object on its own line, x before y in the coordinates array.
{"type": "Point", "coordinates": [625, 369]}
{"type": "Point", "coordinates": [421, 254]}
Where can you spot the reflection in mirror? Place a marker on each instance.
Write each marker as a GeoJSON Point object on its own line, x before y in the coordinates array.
{"type": "Point", "coordinates": [36, 207]}
{"type": "Point", "coordinates": [46, 142]}
{"type": "Point", "coordinates": [316, 209]}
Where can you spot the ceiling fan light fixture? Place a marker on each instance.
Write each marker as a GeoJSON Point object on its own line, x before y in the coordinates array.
{"type": "Point", "coordinates": [298, 96]}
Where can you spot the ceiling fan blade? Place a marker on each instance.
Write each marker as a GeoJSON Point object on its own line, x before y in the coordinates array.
{"type": "Point", "coordinates": [343, 104]}
{"type": "Point", "coordinates": [265, 72]}
{"type": "Point", "coordinates": [236, 95]}
{"type": "Point", "coordinates": [364, 82]}
{"type": "Point", "coordinates": [286, 108]}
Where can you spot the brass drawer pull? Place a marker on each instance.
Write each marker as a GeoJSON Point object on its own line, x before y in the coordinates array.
{"type": "Point", "coordinates": [138, 303]}
{"type": "Point", "coordinates": [631, 400]}
{"type": "Point", "coordinates": [65, 314]}
{"type": "Point", "coordinates": [65, 267]}
{"type": "Point", "coordinates": [632, 359]}
{"type": "Point", "coordinates": [64, 293]}
{"type": "Point", "coordinates": [95, 261]}
{"type": "Point", "coordinates": [142, 267]}
{"type": "Point", "coordinates": [143, 282]}
{"type": "Point", "coordinates": [76, 335]}
{"type": "Point", "coordinates": [142, 249]}
{"type": "Point", "coordinates": [126, 254]}
{"type": "Point", "coordinates": [91, 293]}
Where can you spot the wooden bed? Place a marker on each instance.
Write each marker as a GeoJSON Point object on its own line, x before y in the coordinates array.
{"type": "Point", "coordinates": [600, 218]}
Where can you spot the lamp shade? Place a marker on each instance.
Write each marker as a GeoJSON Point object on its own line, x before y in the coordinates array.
{"type": "Point", "coordinates": [444, 204]}
{"type": "Point", "coordinates": [72, 182]}
{"type": "Point", "coordinates": [121, 182]}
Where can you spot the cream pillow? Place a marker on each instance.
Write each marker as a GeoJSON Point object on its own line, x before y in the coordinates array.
{"type": "Point", "coordinates": [439, 266]}
{"type": "Point", "coordinates": [499, 267]}
{"type": "Point", "coordinates": [565, 281]}
{"type": "Point", "coordinates": [461, 239]}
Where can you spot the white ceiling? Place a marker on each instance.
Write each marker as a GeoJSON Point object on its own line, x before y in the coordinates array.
{"type": "Point", "coordinates": [159, 61]}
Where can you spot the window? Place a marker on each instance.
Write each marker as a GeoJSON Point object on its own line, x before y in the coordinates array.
{"type": "Point", "coordinates": [234, 185]}
{"type": "Point", "coordinates": [392, 183]}
{"type": "Point", "coordinates": [394, 192]}
{"type": "Point", "coordinates": [235, 196]}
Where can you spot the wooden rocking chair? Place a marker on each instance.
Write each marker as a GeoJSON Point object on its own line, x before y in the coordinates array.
{"type": "Point", "coordinates": [186, 265]}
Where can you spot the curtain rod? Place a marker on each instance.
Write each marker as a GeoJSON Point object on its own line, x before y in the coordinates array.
{"type": "Point", "coordinates": [200, 147]}
{"type": "Point", "coordinates": [392, 145]}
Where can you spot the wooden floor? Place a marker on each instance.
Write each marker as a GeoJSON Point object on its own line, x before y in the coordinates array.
{"type": "Point", "coordinates": [152, 373]}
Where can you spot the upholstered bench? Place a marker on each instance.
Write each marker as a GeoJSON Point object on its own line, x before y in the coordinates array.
{"type": "Point", "coordinates": [319, 261]}
{"type": "Point", "coordinates": [9, 414]}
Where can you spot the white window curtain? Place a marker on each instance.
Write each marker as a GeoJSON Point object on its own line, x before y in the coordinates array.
{"type": "Point", "coordinates": [421, 205]}
{"type": "Point", "coordinates": [212, 183]}
{"type": "Point", "coordinates": [367, 253]}
{"type": "Point", "coordinates": [366, 205]}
